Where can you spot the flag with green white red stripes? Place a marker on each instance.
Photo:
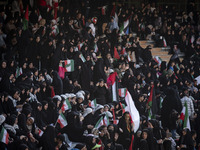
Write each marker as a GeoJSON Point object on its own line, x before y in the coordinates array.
{"type": "Point", "coordinates": [4, 136]}
{"type": "Point", "coordinates": [69, 65]}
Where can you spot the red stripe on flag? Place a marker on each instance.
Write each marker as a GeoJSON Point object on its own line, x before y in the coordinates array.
{"type": "Point", "coordinates": [52, 92]}
{"type": "Point", "coordinates": [116, 54]}
{"type": "Point", "coordinates": [131, 145]}
{"type": "Point", "coordinates": [151, 95]}
{"type": "Point", "coordinates": [123, 111]}
{"type": "Point", "coordinates": [61, 125]}
{"type": "Point", "coordinates": [113, 111]}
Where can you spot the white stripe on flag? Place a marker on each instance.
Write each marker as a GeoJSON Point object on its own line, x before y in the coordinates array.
{"type": "Point", "coordinates": [114, 91]}
{"type": "Point", "coordinates": [133, 111]}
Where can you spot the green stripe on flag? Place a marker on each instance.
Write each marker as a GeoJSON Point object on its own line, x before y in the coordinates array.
{"type": "Point", "coordinates": [63, 117]}
{"type": "Point", "coordinates": [2, 133]}
{"type": "Point", "coordinates": [82, 58]}
{"type": "Point", "coordinates": [98, 122]}
{"type": "Point", "coordinates": [186, 119]}
{"type": "Point", "coordinates": [68, 104]}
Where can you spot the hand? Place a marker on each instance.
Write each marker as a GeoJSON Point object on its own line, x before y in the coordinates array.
{"type": "Point", "coordinates": [81, 118]}
{"type": "Point", "coordinates": [120, 129]}
{"type": "Point", "coordinates": [90, 126]}
{"type": "Point", "coordinates": [22, 137]}
{"type": "Point", "coordinates": [150, 125]}
{"type": "Point", "coordinates": [106, 86]}
{"type": "Point", "coordinates": [160, 141]}
{"type": "Point", "coordinates": [97, 84]}
{"type": "Point", "coordinates": [182, 146]}
{"type": "Point", "coordinates": [60, 111]}
{"type": "Point", "coordinates": [33, 140]}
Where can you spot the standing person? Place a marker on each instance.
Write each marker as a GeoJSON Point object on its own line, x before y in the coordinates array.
{"type": "Point", "coordinates": [47, 140]}
{"type": "Point", "coordinates": [101, 92]}
{"type": "Point", "coordinates": [143, 142]}
{"type": "Point", "coordinates": [60, 140]}
{"type": "Point", "coordinates": [46, 54]}
{"type": "Point", "coordinates": [188, 100]}
{"type": "Point", "coordinates": [99, 72]}
{"type": "Point", "coordinates": [34, 54]}
{"type": "Point", "coordinates": [146, 54]}
{"type": "Point", "coordinates": [57, 83]}
{"type": "Point", "coordinates": [127, 130]}
{"type": "Point", "coordinates": [185, 141]}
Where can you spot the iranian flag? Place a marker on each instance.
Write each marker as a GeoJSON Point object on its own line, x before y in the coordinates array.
{"type": "Point", "coordinates": [122, 107]}
{"type": "Point", "coordinates": [26, 19]}
{"type": "Point", "coordinates": [113, 81]}
{"type": "Point", "coordinates": [114, 14]}
{"type": "Point", "coordinates": [69, 65]}
{"type": "Point", "coordinates": [158, 60]}
{"type": "Point", "coordinates": [4, 136]}
{"type": "Point", "coordinates": [80, 46]}
{"type": "Point", "coordinates": [18, 72]}
{"type": "Point", "coordinates": [115, 121]}
{"type": "Point", "coordinates": [66, 105]}
{"type": "Point", "coordinates": [62, 120]}
{"type": "Point", "coordinates": [55, 30]}
{"type": "Point", "coordinates": [150, 99]}
{"type": "Point", "coordinates": [132, 110]}
{"type": "Point", "coordinates": [106, 120]}
{"type": "Point", "coordinates": [164, 42]}
{"type": "Point", "coordinates": [40, 132]}
{"type": "Point", "coordinates": [116, 54]}
{"type": "Point", "coordinates": [150, 114]}
{"type": "Point", "coordinates": [124, 26]}
{"type": "Point", "coordinates": [122, 92]}
{"type": "Point", "coordinates": [93, 103]}
{"type": "Point", "coordinates": [61, 71]}
{"type": "Point", "coordinates": [152, 102]}
{"type": "Point", "coordinates": [39, 15]}
{"type": "Point", "coordinates": [103, 10]}
{"type": "Point", "coordinates": [99, 123]}
{"type": "Point", "coordinates": [123, 52]}
{"type": "Point", "coordinates": [185, 117]}
{"type": "Point", "coordinates": [82, 58]}
{"type": "Point", "coordinates": [95, 48]}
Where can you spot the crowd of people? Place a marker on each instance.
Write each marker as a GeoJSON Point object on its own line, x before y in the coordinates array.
{"type": "Point", "coordinates": [42, 108]}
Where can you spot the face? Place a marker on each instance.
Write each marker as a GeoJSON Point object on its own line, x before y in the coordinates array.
{"type": "Point", "coordinates": [80, 100]}
{"type": "Point", "coordinates": [38, 39]}
{"type": "Point", "coordinates": [93, 140]}
{"type": "Point", "coordinates": [3, 65]}
{"type": "Point", "coordinates": [36, 73]}
{"type": "Point", "coordinates": [111, 128]}
{"type": "Point", "coordinates": [144, 135]}
{"type": "Point", "coordinates": [101, 83]}
{"type": "Point", "coordinates": [184, 132]}
{"type": "Point", "coordinates": [39, 108]}
{"type": "Point", "coordinates": [29, 121]}
{"type": "Point", "coordinates": [24, 66]}
{"type": "Point", "coordinates": [12, 64]}
{"type": "Point", "coordinates": [106, 108]}
{"type": "Point", "coordinates": [6, 98]}
{"type": "Point", "coordinates": [88, 58]}
{"type": "Point", "coordinates": [127, 117]}
{"type": "Point", "coordinates": [16, 95]}
{"type": "Point", "coordinates": [31, 65]}
{"type": "Point", "coordinates": [46, 106]}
